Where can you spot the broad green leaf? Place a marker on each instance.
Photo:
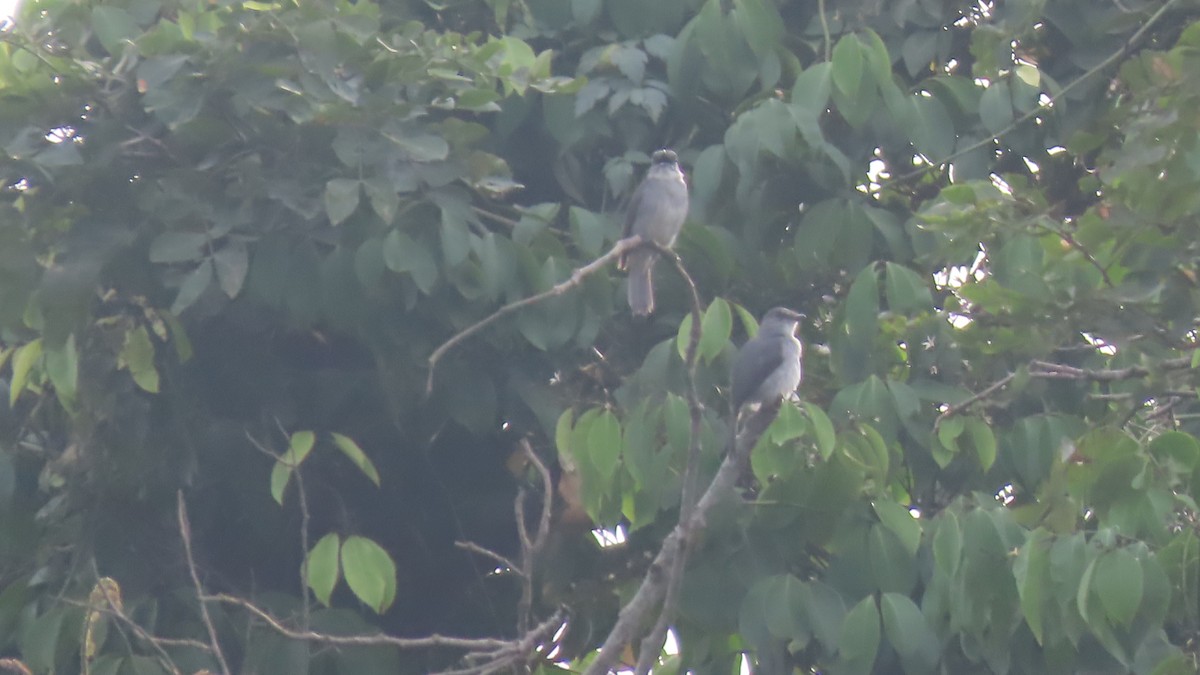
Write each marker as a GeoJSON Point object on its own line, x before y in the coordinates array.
{"type": "Point", "coordinates": [848, 64]}
{"type": "Point", "coordinates": [784, 605]}
{"type": "Point", "coordinates": [1032, 572]}
{"type": "Point", "coordinates": [715, 327]}
{"type": "Point", "coordinates": [826, 611]}
{"type": "Point", "coordinates": [949, 431]}
{"type": "Point", "coordinates": [22, 363]}
{"type": "Point", "coordinates": [860, 636]}
{"type": "Point", "coordinates": [822, 428]}
{"type": "Point", "coordinates": [906, 291]}
{"type": "Point", "coordinates": [995, 107]}
{"type": "Point", "coordinates": [679, 422]}
{"type": "Point", "coordinates": [983, 440]}
{"type": "Point", "coordinates": [174, 247]}
{"type": "Point", "coordinates": [341, 199]}
{"type": "Point", "coordinates": [892, 566]}
{"type": "Point", "coordinates": [370, 572]}
{"type": "Point", "coordinates": [114, 27]}
{"type": "Point", "coordinates": [604, 444]}
{"type": "Point", "coordinates": [1118, 583]}
{"type": "Point", "coordinates": [194, 284]}
{"type": "Point", "coordinates": [62, 367]}
{"type": "Point", "coordinates": [321, 567]}
{"type": "Point", "coordinates": [562, 433]}
{"type": "Point", "coordinates": [351, 450]}
{"type": "Point", "coordinates": [1176, 445]}
{"type": "Point", "coordinates": [138, 356]}
{"type": "Point", "coordinates": [948, 543]}
{"type": "Point", "coordinates": [789, 424]}
{"type": "Point", "coordinates": [902, 524]}
{"type": "Point", "coordinates": [231, 263]}
{"type": "Point", "coordinates": [909, 633]}
{"type": "Point", "coordinates": [402, 253]}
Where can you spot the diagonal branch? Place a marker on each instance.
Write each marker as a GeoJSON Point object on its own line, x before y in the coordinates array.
{"type": "Point", "coordinates": [620, 248]}
{"type": "Point", "coordinates": [654, 586]}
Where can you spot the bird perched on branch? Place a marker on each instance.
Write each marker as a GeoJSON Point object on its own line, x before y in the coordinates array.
{"type": "Point", "coordinates": [767, 368]}
{"type": "Point", "coordinates": [656, 213]}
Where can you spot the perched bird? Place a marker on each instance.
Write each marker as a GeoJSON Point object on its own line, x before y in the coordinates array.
{"type": "Point", "coordinates": [767, 368]}
{"type": "Point", "coordinates": [656, 213]}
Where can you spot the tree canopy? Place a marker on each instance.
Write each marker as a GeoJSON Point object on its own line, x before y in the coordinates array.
{"type": "Point", "coordinates": [254, 423]}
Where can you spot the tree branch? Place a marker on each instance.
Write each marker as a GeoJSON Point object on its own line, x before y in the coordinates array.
{"type": "Point", "coordinates": [654, 585]}
{"type": "Point", "coordinates": [185, 533]}
{"type": "Point", "coordinates": [621, 247]}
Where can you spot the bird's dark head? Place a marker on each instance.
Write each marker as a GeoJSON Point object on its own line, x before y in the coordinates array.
{"type": "Point", "coordinates": [664, 157]}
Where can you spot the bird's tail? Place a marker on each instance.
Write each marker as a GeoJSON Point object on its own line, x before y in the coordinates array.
{"type": "Point", "coordinates": [641, 285]}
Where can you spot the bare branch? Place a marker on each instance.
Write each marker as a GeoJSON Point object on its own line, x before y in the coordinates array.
{"type": "Point", "coordinates": [621, 247]}
{"type": "Point", "coordinates": [185, 533]}
{"type": "Point", "coordinates": [967, 403]}
{"type": "Point", "coordinates": [501, 560]}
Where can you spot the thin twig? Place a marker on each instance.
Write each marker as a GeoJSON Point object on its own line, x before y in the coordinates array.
{"type": "Point", "coordinates": [185, 533]}
{"type": "Point", "coordinates": [359, 640]}
{"type": "Point", "coordinates": [621, 247]}
{"type": "Point", "coordinates": [963, 405]}
{"type": "Point", "coordinates": [472, 547]}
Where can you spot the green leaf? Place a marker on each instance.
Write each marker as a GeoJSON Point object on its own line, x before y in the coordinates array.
{"type": "Point", "coordinates": [604, 444]}
{"type": "Point", "coordinates": [949, 431]}
{"type": "Point", "coordinates": [822, 429]}
{"type": "Point", "coordinates": [193, 286]}
{"type": "Point", "coordinates": [907, 292]}
{"type": "Point", "coordinates": [384, 199]}
{"type": "Point", "coordinates": [860, 636]}
{"type": "Point", "coordinates": [789, 424]}
{"type": "Point", "coordinates": [341, 199]}
{"type": "Point", "coordinates": [321, 567]}
{"type": "Point", "coordinates": [1118, 582]}
{"type": "Point", "coordinates": [1032, 572]}
{"type": "Point", "coordinates": [909, 633]}
{"type": "Point", "coordinates": [138, 356]}
{"type": "Point", "coordinates": [351, 450]}
{"type": "Point", "coordinates": [893, 567]}
{"type": "Point", "coordinates": [995, 107]}
{"type": "Point", "coordinates": [300, 444]}
{"type": "Point", "coordinates": [369, 572]}
{"type": "Point", "coordinates": [62, 367]}
{"type": "Point", "coordinates": [231, 263]}
{"type": "Point", "coordinates": [1177, 446]}
{"type": "Point", "coordinates": [948, 543]}
{"type": "Point", "coordinates": [898, 519]}
{"type": "Point", "coordinates": [114, 28]}
{"type": "Point", "coordinates": [848, 64]}
{"type": "Point", "coordinates": [22, 363]}
{"type": "Point", "coordinates": [679, 422]}
{"type": "Point", "coordinates": [402, 253]}
{"type": "Point", "coordinates": [174, 247]}
{"type": "Point", "coordinates": [983, 440]}
{"type": "Point", "coordinates": [715, 327]}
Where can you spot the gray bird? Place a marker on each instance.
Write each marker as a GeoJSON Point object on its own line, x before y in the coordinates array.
{"type": "Point", "coordinates": [767, 368]}
{"type": "Point", "coordinates": [656, 213]}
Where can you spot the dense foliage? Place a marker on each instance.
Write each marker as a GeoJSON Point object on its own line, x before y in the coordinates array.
{"type": "Point", "coordinates": [233, 233]}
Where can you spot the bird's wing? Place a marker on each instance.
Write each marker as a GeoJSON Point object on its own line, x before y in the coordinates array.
{"type": "Point", "coordinates": [755, 362]}
{"type": "Point", "coordinates": [635, 205]}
